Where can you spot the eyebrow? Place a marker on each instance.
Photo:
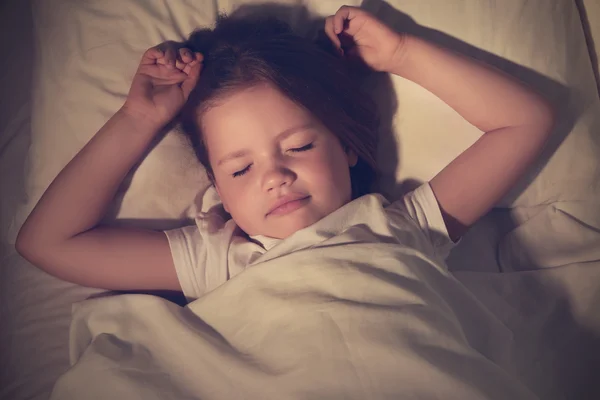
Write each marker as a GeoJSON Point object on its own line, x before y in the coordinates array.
{"type": "Point", "coordinates": [280, 136]}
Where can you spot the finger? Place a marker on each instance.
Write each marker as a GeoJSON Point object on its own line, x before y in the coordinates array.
{"type": "Point", "coordinates": [180, 65]}
{"type": "Point", "coordinates": [188, 67]}
{"type": "Point", "coordinates": [192, 79]}
{"type": "Point", "coordinates": [165, 80]}
{"type": "Point", "coordinates": [329, 31]}
{"type": "Point", "coordinates": [346, 13]}
{"type": "Point", "coordinates": [151, 55]}
{"type": "Point", "coordinates": [188, 59]}
{"type": "Point", "coordinates": [338, 19]}
{"type": "Point", "coordinates": [198, 58]}
{"type": "Point", "coordinates": [170, 57]}
{"type": "Point", "coordinates": [185, 55]}
{"type": "Point", "coordinates": [161, 72]}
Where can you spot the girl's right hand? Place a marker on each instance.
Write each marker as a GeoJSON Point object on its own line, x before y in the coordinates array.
{"type": "Point", "coordinates": [163, 82]}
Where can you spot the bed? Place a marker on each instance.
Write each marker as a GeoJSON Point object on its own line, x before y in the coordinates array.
{"type": "Point", "coordinates": [533, 262]}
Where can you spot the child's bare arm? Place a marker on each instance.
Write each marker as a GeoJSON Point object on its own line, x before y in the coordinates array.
{"type": "Point", "coordinates": [516, 121]}
{"type": "Point", "coordinates": [61, 235]}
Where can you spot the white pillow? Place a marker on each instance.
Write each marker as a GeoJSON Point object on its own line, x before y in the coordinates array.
{"type": "Point", "coordinates": [87, 52]}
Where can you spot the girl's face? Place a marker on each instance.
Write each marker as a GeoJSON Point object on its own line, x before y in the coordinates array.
{"type": "Point", "coordinates": [276, 168]}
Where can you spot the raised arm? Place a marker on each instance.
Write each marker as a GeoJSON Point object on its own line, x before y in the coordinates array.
{"type": "Point", "coordinates": [516, 121]}
{"type": "Point", "coordinates": [62, 236]}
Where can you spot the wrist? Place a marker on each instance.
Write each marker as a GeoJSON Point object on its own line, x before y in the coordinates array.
{"type": "Point", "coordinates": [401, 54]}
{"type": "Point", "coordinates": [141, 123]}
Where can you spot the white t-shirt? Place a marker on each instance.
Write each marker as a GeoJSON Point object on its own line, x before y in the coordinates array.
{"type": "Point", "coordinates": [214, 250]}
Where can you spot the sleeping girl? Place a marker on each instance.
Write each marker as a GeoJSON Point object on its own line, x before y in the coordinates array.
{"type": "Point", "coordinates": [288, 141]}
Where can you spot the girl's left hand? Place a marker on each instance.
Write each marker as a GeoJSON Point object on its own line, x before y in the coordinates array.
{"type": "Point", "coordinates": [357, 33]}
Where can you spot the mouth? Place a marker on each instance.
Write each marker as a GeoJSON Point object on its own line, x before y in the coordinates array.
{"type": "Point", "coordinates": [286, 205]}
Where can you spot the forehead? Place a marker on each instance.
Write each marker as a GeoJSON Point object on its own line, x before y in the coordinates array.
{"type": "Point", "coordinates": [257, 109]}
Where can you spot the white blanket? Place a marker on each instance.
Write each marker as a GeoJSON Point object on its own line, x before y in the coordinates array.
{"type": "Point", "coordinates": [373, 321]}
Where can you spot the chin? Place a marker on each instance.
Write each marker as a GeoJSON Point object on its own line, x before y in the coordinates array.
{"type": "Point", "coordinates": [292, 227]}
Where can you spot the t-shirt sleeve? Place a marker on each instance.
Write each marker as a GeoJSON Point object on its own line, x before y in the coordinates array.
{"type": "Point", "coordinates": [189, 256]}
{"type": "Point", "coordinates": [423, 208]}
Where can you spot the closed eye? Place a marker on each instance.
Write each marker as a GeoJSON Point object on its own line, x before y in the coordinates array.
{"type": "Point", "coordinates": [303, 148]}
{"type": "Point", "coordinates": [242, 171]}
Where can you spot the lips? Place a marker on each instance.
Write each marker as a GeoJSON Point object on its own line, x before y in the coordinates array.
{"type": "Point", "coordinates": [287, 204]}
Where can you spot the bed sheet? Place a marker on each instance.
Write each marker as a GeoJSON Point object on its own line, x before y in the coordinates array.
{"type": "Point", "coordinates": [35, 308]}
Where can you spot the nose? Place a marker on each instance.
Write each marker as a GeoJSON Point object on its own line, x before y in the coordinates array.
{"type": "Point", "coordinates": [277, 176]}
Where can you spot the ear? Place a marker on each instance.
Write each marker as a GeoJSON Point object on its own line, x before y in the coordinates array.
{"type": "Point", "coordinates": [221, 197]}
{"type": "Point", "coordinates": [351, 157]}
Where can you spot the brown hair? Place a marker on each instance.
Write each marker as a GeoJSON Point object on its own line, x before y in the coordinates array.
{"type": "Point", "coordinates": [242, 52]}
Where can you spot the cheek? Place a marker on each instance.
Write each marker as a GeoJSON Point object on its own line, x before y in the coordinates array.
{"type": "Point", "coordinates": [239, 199]}
{"type": "Point", "coordinates": [232, 193]}
{"type": "Point", "coordinates": [330, 170]}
